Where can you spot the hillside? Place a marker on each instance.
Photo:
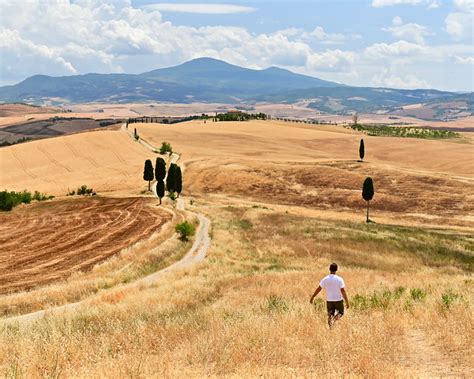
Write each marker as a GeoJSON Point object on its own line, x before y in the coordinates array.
{"type": "Point", "coordinates": [210, 80]}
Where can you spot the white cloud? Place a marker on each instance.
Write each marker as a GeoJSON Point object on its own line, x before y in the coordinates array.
{"type": "Point", "coordinates": [203, 8]}
{"type": "Point", "coordinates": [434, 4]}
{"type": "Point", "coordinates": [397, 20]}
{"type": "Point", "coordinates": [465, 5]}
{"type": "Point", "coordinates": [387, 78]}
{"type": "Point", "coordinates": [396, 49]}
{"type": "Point", "coordinates": [459, 24]}
{"type": "Point", "coordinates": [461, 60]}
{"type": "Point", "coordinates": [410, 32]}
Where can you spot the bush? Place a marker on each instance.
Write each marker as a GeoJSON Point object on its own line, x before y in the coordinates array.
{"type": "Point", "coordinates": [166, 148]}
{"type": "Point", "coordinates": [448, 298]}
{"type": "Point", "coordinates": [83, 190]}
{"type": "Point", "coordinates": [8, 200]}
{"type": "Point", "coordinates": [185, 230]}
{"type": "Point", "coordinates": [417, 294]}
{"type": "Point", "coordinates": [172, 195]}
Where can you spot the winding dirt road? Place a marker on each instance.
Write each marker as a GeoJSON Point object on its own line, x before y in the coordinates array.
{"type": "Point", "coordinates": [196, 254]}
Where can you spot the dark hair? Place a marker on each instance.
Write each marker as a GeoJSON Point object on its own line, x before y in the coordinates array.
{"type": "Point", "coordinates": [333, 267]}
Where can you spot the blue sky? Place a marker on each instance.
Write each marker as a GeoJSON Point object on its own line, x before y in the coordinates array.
{"type": "Point", "coordinates": [387, 43]}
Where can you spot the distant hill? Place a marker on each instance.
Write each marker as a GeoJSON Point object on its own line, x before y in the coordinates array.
{"type": "Point", "coordinates": [212, 80]}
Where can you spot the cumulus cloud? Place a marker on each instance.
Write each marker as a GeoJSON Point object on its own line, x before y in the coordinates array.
{"type": "Point", "coordinates": [396, 49]}
{"type": "Point", "coordinates": [459, 24]}
{"type": "Point", "coordinates": [202, 8]}
{"type": "Point", "coordinates": [411, 32]}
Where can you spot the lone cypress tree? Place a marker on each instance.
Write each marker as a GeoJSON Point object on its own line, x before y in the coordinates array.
{"type": "Point", "coordinates": [160, 169]}
{"type": "Point", "coordinates": [361, 150]}
{"type": "Point", "coordinates": [179, 180]}
{"type": "Point", "coordinates": [368, 193]}
{"type": "Point", "coordinates": [160, 189]}
{"type": "Point", "coordinates": [148, 172]}
{"type": "Point", "coordinates": [171, 178]}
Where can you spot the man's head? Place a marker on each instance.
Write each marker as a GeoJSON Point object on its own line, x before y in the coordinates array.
{"type": "Point", "coordinates": [333, 268]}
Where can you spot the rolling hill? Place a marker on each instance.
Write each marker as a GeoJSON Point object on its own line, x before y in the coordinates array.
{"type": "Point", "coordinates": [212, 80]}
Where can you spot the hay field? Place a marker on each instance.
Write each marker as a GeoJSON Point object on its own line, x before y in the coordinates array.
{"type": "Point", "coordinates": [245, 311]}
{"type": "Point", "coordinates": [104, 160]}
{"type": "Point", "coordinates": [284, 201]}
{"type": "Point", "coordinates": [317, 168]}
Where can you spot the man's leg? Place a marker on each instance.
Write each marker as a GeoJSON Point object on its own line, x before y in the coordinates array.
{"type": "Point", "coordinates": [339, 309]}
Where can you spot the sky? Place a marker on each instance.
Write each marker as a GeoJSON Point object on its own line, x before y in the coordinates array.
{"type": "Point", "coordinates": [383, 43]}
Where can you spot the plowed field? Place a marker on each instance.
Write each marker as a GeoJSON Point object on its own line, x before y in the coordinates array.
{"type": "Point", "coordinates": [44, 242]}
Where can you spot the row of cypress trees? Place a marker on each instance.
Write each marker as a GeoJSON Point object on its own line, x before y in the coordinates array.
{"type": "Point", "coordinates": [174, 179]}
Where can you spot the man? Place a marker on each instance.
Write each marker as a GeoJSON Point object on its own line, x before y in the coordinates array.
{"type": "Point", "coordinates": [335, 292]}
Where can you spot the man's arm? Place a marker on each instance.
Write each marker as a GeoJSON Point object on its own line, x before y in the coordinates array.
{"type": "Point", "coordinates": [318, 290]}
{"type": "Point", "coordinates": [344, 295]}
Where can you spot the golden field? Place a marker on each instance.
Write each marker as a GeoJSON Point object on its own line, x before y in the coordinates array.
{"type": "Point", "coordinates": [284, 201]}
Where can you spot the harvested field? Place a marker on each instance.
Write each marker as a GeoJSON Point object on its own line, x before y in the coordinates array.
{"type": "Point", "coordinates": [277, 141]}
{"type": "Point", "coordinates": [105, 160]}
{"type": "Point", "coordinates": [52, 127]}
{"type": "Point", "coordinates": [69, 236]}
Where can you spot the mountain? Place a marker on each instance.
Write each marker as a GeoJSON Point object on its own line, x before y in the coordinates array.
{"type": "Point", "coordinates": [212, 80]}
{"type": "Point", "coordinates": [357, 99]}
{"type": "Point", "coordinates": [202, 79]}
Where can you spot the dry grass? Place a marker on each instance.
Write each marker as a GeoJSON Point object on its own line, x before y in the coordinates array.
{"type": "Point", "coordinates": [245, 312]}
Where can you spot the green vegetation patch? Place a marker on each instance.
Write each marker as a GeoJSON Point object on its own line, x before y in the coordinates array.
{"type": "Point", "coordinates": [10, 199]}
{"type": "Point", "coordinates": [407, 132]}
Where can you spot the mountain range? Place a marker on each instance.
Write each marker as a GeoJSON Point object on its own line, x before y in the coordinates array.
{"type": "Point", "coordinates": [212, 80]}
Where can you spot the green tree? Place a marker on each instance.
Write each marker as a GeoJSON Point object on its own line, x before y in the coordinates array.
{"type": "Point", "coordinates": [361, 150]}
{"type": "Point", "coordinates": [179, 180]}
{"type": "Point", "coordinates": [160, 189]}
{"type": "Point", "coordinates": [368, 193]}
{"type": "Point", "coordinates": [148, 172]}
{"type": "Point", "coordinates": [160, 169]}
{"type": "Point", "coordinates": [171, 178]}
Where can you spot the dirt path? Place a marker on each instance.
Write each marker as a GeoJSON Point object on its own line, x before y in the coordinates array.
{"type": "Point", "coordinates": [424, 360]}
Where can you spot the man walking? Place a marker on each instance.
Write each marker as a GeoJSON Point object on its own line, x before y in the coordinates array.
{"type": "Point", "coordinates": [335, 292]}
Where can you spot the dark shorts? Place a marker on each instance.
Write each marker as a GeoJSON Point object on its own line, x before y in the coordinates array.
{"type": "Point", "coordinates": [332, 306]}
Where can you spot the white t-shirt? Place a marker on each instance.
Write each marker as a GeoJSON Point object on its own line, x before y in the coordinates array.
{"type": "Point", "coordinates": [333, 284]}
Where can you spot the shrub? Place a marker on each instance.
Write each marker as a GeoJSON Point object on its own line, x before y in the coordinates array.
{"type": "Point", "coordinates": [417, 294]}
{"type": "Point", "coordinates": [166, 148]}
{"type": "Point", "coordinates": [8, 200]}
{"type": "Point", "coordinates": [185, 230]}
{"type": "Point", "coordinates": [83, 190]}
{"type": "Point", "coordinates": [448, 298]}
{"type": "Point", "coordinates": [276, 303]}
{"type": "Point", "coordinates": [172, 195]}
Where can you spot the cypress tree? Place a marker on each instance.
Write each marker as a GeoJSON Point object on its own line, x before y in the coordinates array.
{"type": "Point", "coordinates": [148, 172]}
{"type": "Point", "coordinates": [361, 150]}
{"type": "Point", "coordinates": [160, 169]}
{"type": "Point", "coordinates": [171, 178]}
{"type": "Point", "coordinates": [179, 180]}
{"type": "Point", "coordinates": [160, 189]}
{"type": "Point", "coordinates": [368, 193]}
